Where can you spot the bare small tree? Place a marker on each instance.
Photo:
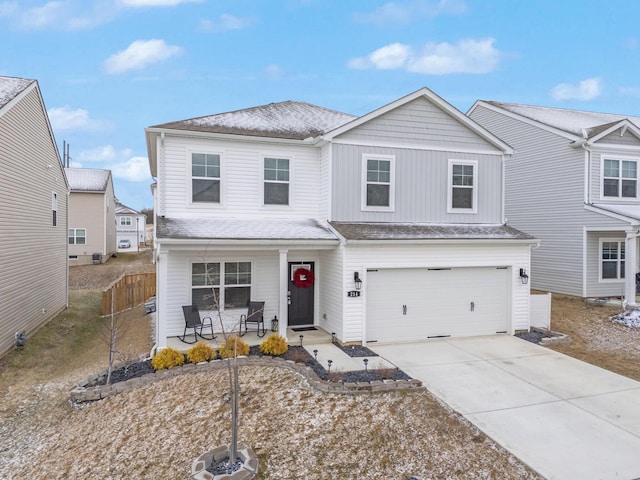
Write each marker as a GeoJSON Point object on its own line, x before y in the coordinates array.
{"type": "Point", "coordinates": [115, 327]}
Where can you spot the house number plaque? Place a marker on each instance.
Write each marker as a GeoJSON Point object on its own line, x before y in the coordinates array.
{"type": "Point", "coordinates": [353, 293]}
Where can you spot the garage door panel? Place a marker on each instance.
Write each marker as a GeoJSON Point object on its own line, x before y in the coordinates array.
{"type": "Point", "coordinates": [439, 302]}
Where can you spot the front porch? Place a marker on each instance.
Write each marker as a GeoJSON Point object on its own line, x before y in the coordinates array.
{"type": "Point", "coordinates": [317, 336]}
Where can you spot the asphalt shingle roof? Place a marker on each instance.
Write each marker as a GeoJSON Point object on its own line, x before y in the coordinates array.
{"type": "Point", "coordinates": [290, 119]}
{"type": "Point", "coordinates": [10, 87]}
{"type": "Point", "coordinates": [88, 179]}
{"type": "Point", "coordinates": [422, 231]}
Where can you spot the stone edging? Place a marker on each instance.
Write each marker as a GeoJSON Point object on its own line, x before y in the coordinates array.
{"type": "Point", "coordinates": [87, 391]}
{"type": "Point", "coordinates": [248, 470]}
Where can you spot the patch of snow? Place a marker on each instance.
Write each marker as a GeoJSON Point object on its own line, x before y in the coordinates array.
{"type": "Point", "coordinates": [630, 318]}
{"type": "Point", "coordinates": [10, 87]}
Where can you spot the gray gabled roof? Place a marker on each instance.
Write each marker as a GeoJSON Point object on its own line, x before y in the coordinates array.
{"type": "Point", "coordinates": [88, 179]}
{"type": "Point", "coordinates": [291, 120]}
{"type": "Point", "coordinates": [11, 87]}
{"type": "Point", "coordinates": [122, 209]}
{"type": "Point", "coordinates": [424, 231]}
{"type": "Point", "coordinates": [580, 123]}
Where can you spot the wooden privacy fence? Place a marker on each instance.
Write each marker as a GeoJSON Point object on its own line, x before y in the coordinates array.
{"type": "Point", "coordinates": [130, 290]}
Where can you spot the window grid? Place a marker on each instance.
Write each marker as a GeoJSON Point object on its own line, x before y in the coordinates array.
{"type": "Point", "coordinates": [276, 181]}
{"type": "Point", "coordinates": [378, 183]}
{"type": "Point", "coordinates": [77, 236]}
{"type": "Point", "coordinates": [205, 177]}
{"type": "Point", "coordinates": [620, 178]}
{"type": "Point", "coordinates": [462, 193]}
{"type": "Point", "coordinates": [613, 260]}
{"type": "Point", "coordinates": [229, 281]}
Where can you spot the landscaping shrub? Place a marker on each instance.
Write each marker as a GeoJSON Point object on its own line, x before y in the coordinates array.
{"type": "Point", "coordinates": [232, 344]}
{"type": "Point", "coordinates": [274, 345]}
{"type": "Point", "coordinates": [167, 358]}
{"type": "Point", "coordinates": [201, 352]}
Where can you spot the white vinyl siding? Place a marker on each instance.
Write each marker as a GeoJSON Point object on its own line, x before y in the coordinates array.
{"type": "Point", "coordinates": [378, 182]}
{"type": "Point", "coordinates": [462, 192]}
{"type": "Point", "coordinates": [33, 255]}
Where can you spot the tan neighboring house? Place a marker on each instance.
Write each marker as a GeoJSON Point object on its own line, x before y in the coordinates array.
{"type": "Point", "coordinates": [92, 216]}
{"type": "Point", "coordinates": [33, 214]}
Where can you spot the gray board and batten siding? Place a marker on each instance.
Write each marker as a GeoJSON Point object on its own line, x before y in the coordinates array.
{"type": "Point", "coordinates": [33, 252]}
{"type": "Point", "coordinates": [544, 196]}
{"type": "Point", "coordinates": [423, 138]}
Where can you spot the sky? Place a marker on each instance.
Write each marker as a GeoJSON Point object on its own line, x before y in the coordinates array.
{"type": "Point", "coordinates": [107, 69]}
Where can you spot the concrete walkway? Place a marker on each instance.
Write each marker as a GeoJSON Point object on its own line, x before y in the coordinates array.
{"type": "Point", "coordinates": [564, 418]}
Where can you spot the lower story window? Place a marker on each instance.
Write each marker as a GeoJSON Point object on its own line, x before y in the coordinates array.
{"type": "Point", "coordinates": [77, 236]}
{"type": "Point", "coordinates": [221, 283]}
{"type": "Point", "coordinates": [612, 259]}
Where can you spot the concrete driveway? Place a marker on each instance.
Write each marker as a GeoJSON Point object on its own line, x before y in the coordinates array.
{"type": "Point", "coordinates": [564, 418]}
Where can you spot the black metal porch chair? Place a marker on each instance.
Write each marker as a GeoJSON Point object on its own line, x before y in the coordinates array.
{"type": "Point", "coordinates": [192, 320]}
{"type": "Point", "coordinates": [255, 314]}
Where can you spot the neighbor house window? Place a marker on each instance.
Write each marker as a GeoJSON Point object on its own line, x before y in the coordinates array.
{"type": "Point", "coordinates": [77, 236]}
{"type": "Point", "coordinates": [224, 283]}
{"type": "Point", "coordinates": [462, 192]}
{"type": "Point", "coordinates": [205, 177]}
{"type": "Point", "coordinates": [276, 181]}
{"type": "Point", "coordinates": [612, 259]}
{"type": "Point", "coordinates": [378, 182]}
{"type": "Point", "coordinates": [619, 178]}
{"type": "Point", "coordinates": [54, 208]}
{"type": "Point", "coordinates": [125, 221]}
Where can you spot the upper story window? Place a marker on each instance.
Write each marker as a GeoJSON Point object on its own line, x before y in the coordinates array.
{"type": "Point", "coordinates": [378, 182]}
{"type": "Point", "coordinates": [205, 177]}
{"type": "Point", "coordinates": [224, 283]}
{"type": "Point", "coordinates": [77, 236]}
{"type": "Point", "coordinates": [125, 221]}
{"type": "Point", "coordinates": [54, 208]}
{"type": "Point", "coordinates": [619, 178]}
{"type": "Point", "coordinates": [276, 181]}
{"type": "Point", "coordinates": [462, 192]}
{"type": "Point", "coordinates": [612, 259]}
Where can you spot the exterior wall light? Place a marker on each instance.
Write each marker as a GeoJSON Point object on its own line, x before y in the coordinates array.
{"type": "Point", "coordinates": [523, 276]}
{"type": "Point", "coordinates": [356, 280]}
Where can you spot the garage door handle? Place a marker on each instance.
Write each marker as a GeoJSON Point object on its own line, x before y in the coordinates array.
{"type": "Point", "coordinates": [404, 309]}
{"type": "Point", "coordinates": [473, 306]}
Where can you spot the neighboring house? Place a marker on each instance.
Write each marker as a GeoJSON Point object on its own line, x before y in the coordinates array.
{"type": "Point", "coordinates": [573, 183]}
{"type": "Point", "coordinates": [33, 214]}
{"type": "Point", "coordinates": [92, 216]}
{"type": "Point", "coordinates": [385, 227]}
{"type": "Point", "coordinates": [131, 225]}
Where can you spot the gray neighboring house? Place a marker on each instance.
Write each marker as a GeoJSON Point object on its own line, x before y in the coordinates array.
{"type": "Point", "coordinates": [573, 183]}
{"type": "Point", "coordinates": [92, 216]}
{"type": "Point", "coordinates": [130, 225]}
{"type": "Point", "coordinates": [33, 214]}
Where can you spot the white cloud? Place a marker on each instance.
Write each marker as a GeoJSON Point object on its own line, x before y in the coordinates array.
{"type": "Point", "coordinates": [135, 169]}
{"type": "Point", "coordinates": [155, 3]}
{"type": "Point", "coordinates": [139, 55]}
{"type": "Point", "coordinates": [105, 153]}
{"type": "Point", "coordinates": [225, 23]}
{"type": "Point", "coordinates": [67, 118]}
{"type": "Point", "coordinates": [630, 91]}
{"type": "Point", "coordinates": [274, 72]}
{"type": "Point", "coordinates": [465, 56]}
{"type": "Point", "coordinates": [60, 14]}
{"type": "Point", "coordinates": [403, 13]}
{"type": "Point", "coordinates": [585, 90]}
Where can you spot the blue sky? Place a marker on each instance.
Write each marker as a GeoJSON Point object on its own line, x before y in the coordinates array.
{"type": "Point", "coordinates": [109, 68]}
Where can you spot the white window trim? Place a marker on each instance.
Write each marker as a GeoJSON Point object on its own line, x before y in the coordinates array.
{"type": "Point", "coordinates": [601, 240]}
{"type": "Point", "coordinates": [75, 236]}
{"type": "Point", "coordinates": [221, 285]}
{"type": "Point", "coordinates": [122, 221]}
{"type": "Point", "coordinates": [392, 183]}
{"type": "Point", "coordinates": [620, 158]}
{"type": "Point", "coordinates": [263, 181]}
{"type": "Point", "coordinates": [189, 188]}
{"type": "Point", "coordinates": [474, 196]}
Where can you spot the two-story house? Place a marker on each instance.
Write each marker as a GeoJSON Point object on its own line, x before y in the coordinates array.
{"type": "Point", "coordinates": [33, 214]}
{"type": "Point", "coordinates": [573, 183]}
{"type": "Point", "coordinates": [131, 228]}
{"type": "Point", "coordinates": [385, 227]}
{"type": "Point", "coordinates": [92, 215]}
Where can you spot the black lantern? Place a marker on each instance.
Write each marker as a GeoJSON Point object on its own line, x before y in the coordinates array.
{"type": "Point", "coordinates": [356, 280]}
{"type": "Point", "coordinates": [523, 276]}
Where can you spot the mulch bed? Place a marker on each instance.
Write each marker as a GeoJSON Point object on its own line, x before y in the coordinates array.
{"type": "Point", "coordinates": [294, 353]}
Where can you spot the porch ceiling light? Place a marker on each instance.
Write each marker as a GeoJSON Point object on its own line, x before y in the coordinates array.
{"type": "Point", "coordinates": [356, 280]}
{"type": "Point", "coordinates": [523, 276]}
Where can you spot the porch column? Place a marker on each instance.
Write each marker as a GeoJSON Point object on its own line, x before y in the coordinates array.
{"type": "Point", "coordinates": [630, 261]}
{"type": "Point", "coordinates": [283, 295]}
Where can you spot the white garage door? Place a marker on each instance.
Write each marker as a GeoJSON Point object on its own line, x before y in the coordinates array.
{"type": "Point", "coordinates": [419, 303]}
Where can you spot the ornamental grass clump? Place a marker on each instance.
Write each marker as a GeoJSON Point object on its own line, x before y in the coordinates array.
{"type": "Point", "coordinates": [234, 345]}
{"type": "Point", "coordinates": [275, 345]}
{"type": "Point", "coordinates": [201, 352]}
{"type": "Point", "coordinates": [167, 358]}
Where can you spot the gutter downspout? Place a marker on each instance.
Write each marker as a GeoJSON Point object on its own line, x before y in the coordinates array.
{"type": "Point", "coordinates": [504, 186]}
{"type": "Point", "coordinates": [587, 201]}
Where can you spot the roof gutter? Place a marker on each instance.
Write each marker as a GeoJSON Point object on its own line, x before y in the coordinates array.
{"type": "Point", "coordinates": [446, 241]}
